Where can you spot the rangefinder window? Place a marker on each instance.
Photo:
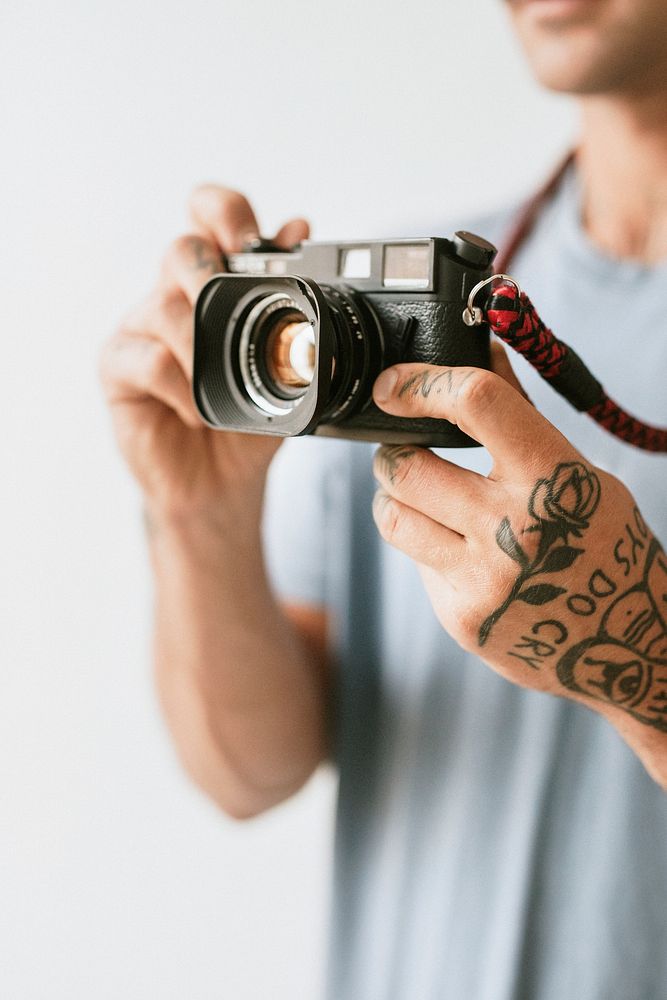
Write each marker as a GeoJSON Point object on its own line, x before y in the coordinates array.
{"type": "Point", "coordinates": [355, 262]}
{"type": "Point", "coordinates": [278, 265]}
{"type": "Point", "coordinates": [407, 265]}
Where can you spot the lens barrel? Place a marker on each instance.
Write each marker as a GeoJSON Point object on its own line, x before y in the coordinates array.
{"type": "Point", "coordinates": [279, 355]}
{"type": "Point", "coordinates": [358, 352]}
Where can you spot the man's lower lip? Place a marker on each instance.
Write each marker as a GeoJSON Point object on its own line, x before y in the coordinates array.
{"type": "Point", "coordinates": [554, 4]}
{"type": "Point", "coordinates": [555, 8]}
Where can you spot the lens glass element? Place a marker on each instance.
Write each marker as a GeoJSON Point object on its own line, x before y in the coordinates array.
{"type": "Point", "coordinates": [277, 353]}
{"type": "Point", "coordinates": [290, 353]}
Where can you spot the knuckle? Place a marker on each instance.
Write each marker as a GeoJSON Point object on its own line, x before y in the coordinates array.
{"type": "Point", "coordinates": [388, 519]}
{"type": "Point", "coordinates": [136, 319]}
{"type": "Point", "coordinates": [187, 256]}
{"type": "Point", "coordinates": [410, 476]}
{"type": "Point", "coordinates": [403, 467]}
{"type": "Point", "coordinates": [494, 581]}
{"type": "Point", "coordinates": [184, 247]}
{"type": "Point", "coordinates": [170, 304]}
{"type": "Point", "coordinates": [109, 351]}
{"type": "Point", "coordinates": [491, 572]}
{"type": "Point", "coordinates": [125, 329]}
{"type": "Point", "coordinates": [233, 205]}
{"type": "Point", "coordinates": [130, 324]}
{"type": "Point", "coordinates": [159, 365]}
{"type": "Point", "coordinates": [416, 472]}
{"type": "Point", "coordinates": [613, 486]}
{"type": "Point", "coordinates": [467, 626]}
{"type": "Point", "coordinates": [479, 391]}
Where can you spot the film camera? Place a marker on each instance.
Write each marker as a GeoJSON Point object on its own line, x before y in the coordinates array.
{"type": "Point", "coordinates": [290, 342]}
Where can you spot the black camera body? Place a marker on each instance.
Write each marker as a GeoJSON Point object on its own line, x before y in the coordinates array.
{"type": "Point", "coordinates": [290, 342]}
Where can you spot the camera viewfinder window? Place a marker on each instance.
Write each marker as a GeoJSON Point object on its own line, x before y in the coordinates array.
{"type": "Point", "coordinates": [407, 264]}
{"type": "Point", "coordinates": [355, 263]}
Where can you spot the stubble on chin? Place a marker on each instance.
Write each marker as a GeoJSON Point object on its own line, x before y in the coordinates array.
{"type": "Point", "coordinates": [593, 49]}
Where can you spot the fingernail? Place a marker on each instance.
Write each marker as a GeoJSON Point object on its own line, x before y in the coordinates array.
{"type": "Point", "coordinates": [385, 385]}
{"type": "Point", "coordinates": [251, 240]}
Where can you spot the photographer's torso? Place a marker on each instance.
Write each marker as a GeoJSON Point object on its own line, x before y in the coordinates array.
{"type": "Point", "coordinates": [492, 843]}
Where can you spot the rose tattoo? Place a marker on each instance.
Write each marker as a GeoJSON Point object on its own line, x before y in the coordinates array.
{"type": "Point", "coordinates": [561, 507]}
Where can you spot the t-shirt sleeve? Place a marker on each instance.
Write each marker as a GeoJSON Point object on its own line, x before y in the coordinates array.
{"type": "Point", "coordinates": [296, 521]}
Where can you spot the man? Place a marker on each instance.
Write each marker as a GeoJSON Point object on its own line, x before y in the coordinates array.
{"type": "Point", "coordinates": [492, 842]}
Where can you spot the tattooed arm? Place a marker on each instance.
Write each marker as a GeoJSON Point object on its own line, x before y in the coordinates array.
{"type": "Point", "coordinates": [545, 568]}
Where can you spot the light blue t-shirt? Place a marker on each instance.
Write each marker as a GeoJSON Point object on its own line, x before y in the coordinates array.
{"type": "Point", "coordinates": [492, 843]}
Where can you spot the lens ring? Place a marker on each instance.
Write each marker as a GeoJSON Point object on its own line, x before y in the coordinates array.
{"type": "Point", "coordinates": [353, 348]}
{"type": "Point", "coordinates": [358, 352]}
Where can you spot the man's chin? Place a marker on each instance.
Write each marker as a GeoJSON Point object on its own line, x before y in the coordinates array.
{"type": "Point", "coordinates": [576, 77]}
{"type": "Point", "coordinates": [567, 45]}
{"type": "Point", "coordinates": [584, 47]}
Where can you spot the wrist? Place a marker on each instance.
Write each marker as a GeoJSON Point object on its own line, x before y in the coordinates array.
{"type": "Point", "coordinates": [236, 511]}
{"type": "Point", "coordinates": [226, 535]}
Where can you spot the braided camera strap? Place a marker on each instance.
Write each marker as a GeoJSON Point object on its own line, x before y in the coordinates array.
{"type": "Point", "coordinates": [513, 318]}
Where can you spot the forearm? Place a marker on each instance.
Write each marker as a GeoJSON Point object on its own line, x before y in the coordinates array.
{"type": "Point", "coordinates": [620, 665]}
{"type": "Point", "coordinates": [604, 642]}
{"type": "Point", "coordinates": [242, 695]}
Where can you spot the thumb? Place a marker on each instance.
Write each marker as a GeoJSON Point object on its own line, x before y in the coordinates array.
{"type": "Point", "coordinates": [292, 233]}
{"type": "Point", "coordinates": [500, 364]}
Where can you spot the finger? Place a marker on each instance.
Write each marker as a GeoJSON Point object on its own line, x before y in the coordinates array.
{"type": "Point", "coordinates": [419, 537]}
{"type": "Point", "coordinates": [481, 403]}
{"type": "Point", "coordinates": [189, 263]}
{"type": "Point", "coordinates": [136, 368]}
{"type": "Point", "coordinates": [223, 215]}
{"type": "Point", "coordinates": [166, 316]}
{"type": "Point", "coordinates": [501, 365]}
{"type": "Point", "coordinates": [447, 494]}
{"type": "Point", "coordinates": [293, 232]}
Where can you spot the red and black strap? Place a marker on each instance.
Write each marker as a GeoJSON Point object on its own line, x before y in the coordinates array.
{"type": "Point", "coordinates": [512, 317]}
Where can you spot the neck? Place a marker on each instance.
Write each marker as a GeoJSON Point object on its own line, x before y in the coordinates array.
{"type": "Point", "coordinates": [622, 161]}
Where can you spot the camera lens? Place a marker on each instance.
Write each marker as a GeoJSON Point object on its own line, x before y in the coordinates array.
{"type": "Point", "coordinates": [277, 355]}
{"type": "Point", "coordinates": [282, 355]}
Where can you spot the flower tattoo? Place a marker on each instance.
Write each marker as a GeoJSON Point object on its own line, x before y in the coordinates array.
{"type": "Point", "coordinates": [566, 501]}
{"type": "Point", "coordinates": [561, 507]}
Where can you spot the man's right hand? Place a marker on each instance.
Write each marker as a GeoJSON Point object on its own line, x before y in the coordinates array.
{"type": "Point", "coordinates": [241, 679]}
{"type": "Point", "coordinates": [182, 465]}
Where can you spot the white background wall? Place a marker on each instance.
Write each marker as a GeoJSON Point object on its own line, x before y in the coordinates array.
{"type": "Point", "coordinates": [117, 879]}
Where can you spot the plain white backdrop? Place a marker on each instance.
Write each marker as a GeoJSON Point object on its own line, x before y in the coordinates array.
{"type": "Point", "coordinates": [117, 878]}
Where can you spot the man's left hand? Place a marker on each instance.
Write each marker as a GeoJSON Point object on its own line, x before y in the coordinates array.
{"type": "Point", "coordinates": [545, 568]}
